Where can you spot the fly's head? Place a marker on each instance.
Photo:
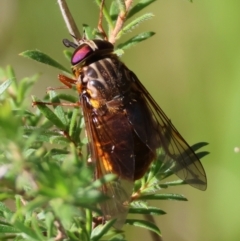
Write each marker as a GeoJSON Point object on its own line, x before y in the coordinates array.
{"type": "Point", "coordinates": [87, 52]}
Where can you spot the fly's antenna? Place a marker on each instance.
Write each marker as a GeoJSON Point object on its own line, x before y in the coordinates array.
{"type": "Point", "coordinates": [69, 44]}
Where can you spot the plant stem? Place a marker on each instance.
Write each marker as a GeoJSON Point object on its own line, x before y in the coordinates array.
{"type": "Point", "coordinates": [69, 21]}
{"type": "Point", "coordinates": [106, 15]}
{"type": "Point", "coordinates": [154, 236]}
{"type": "Point", "coordinates": [120, 21]}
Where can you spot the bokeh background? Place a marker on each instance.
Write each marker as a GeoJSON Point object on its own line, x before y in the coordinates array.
{"type": "Point", "coordinates": [191, 67]}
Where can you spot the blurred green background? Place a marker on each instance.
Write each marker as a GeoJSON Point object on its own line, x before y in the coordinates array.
{"type": "Point", "coordinates": [191, 67]}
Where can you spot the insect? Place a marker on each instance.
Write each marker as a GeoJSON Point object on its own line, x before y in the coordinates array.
{"type": "Point", "coordinates": [124, 125]}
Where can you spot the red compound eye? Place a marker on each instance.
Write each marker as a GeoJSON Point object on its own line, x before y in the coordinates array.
{"type": "Point", "coordinates": [81, 53]}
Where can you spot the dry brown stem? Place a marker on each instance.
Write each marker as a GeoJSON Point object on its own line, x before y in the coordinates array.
{"type": "Point", "coordinates": [69, 21]}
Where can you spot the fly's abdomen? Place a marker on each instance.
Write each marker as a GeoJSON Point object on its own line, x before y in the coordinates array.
{"type": "Point", "coordinates": [143, 157]}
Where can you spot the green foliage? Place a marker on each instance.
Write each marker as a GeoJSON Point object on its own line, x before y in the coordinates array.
{"type": "Point", "coordinates": [144, 224]}
{"type": "Point", "coordinates": [44, 170]}
{"type": "Point", "coordinates": [43, 58]}
{"type": "Point", "coordinates": [129, 27]}
{"type": "Point", "coordinates": [139, 6]}
{"type": "Point", "coordinates": [136, 39]}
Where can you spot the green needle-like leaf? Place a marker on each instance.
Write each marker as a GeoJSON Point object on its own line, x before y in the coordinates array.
{"type": "Point", "coordinates": [99, 231]}
{"type": "Point", "coordinates": [173, 183]}
{"type": "Point", "coordinates": [68, 55]}
{"type": "Point", "coordinates": [147, 210]}
{"type": "Point", "coordinates": [10, 73]}
{"type": "Point", "coordinates": [144, 224]}
{"type": "Point", "coordinates": [24, 86]}
{"type": "Point", "coordinates": [139, 6]}
{"type": "Point", "coordinates": [164, 196]}
{"type": "Point", "coordinates": [27, 232]}
{"type": "Point", "coordinates": [49, 114]}
{"type": "Point", "coordinates": [114, 10]}
{"type": "Point", "coordinates": [199, 145]}
{"type": "Point", "coordinates": [4, 208]}
{"type": "Point", "coordinates": [202, 154]}
{"type": "Point", "coordinates": [59, 140]}
{"type": "Point", "coordinates": [136, 39]}
{"type": "Point", "coordinates": [73, 121]}
{"type": "Point", "coordinates": [58, 109]}
{"type": "Point", "coordinates": [7, 228]}
{"type": "Point", "coordinates": [43, 58]}
{"type": "Point", "coordinates": [5, 85]}
{"type": "Point", "coordinates": [135, 23]}
{"type": "Point", "coordinates": [88, 31]}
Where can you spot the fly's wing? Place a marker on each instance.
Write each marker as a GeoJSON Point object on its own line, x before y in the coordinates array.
{"type": "Point", "coordinates": [179, 155]}
{"type": "Point", "coordinates": [111, 148]}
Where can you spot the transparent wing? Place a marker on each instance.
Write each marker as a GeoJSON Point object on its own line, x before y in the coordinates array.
{"type": "Point", "coordinates": [179, 155]}
{"type": "Point", "coordinates": [111, 148]}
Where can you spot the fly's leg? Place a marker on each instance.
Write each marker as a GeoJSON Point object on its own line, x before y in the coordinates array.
{"type": "Point", "coordinates": [77, 104]}
{"type": "Point", "coordinates": [68, 83]}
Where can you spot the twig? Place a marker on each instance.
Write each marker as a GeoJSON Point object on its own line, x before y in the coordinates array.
{"type": "Point", "coordinates": [100, 27]}
{"type": "Point", "coordinates": [69, 21]}
{"type": "Point", "coordinates": [60, 231]}
{"type": "Point", "coordinates": [154, 236]}
{"type": "Point", "coordinates": [120, 21]}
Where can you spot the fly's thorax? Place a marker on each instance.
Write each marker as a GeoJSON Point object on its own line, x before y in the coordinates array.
{"type": "Point", "coordinates": [105, 79]}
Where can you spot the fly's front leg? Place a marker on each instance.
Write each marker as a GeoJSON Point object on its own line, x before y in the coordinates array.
{"type": "Point", "coordinates": [68, 84]}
